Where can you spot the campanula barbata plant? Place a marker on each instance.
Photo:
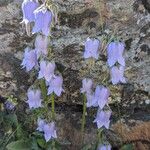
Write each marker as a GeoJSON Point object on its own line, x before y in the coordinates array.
{"type": "Point", "coordinates": [42, 16]}
{"type": "Point", "coordinates": [100, 96]}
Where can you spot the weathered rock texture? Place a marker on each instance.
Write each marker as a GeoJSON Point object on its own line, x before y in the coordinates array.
{"type": "Point", "coordinates": [128, 19]}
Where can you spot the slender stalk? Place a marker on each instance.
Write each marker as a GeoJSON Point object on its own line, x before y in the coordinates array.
{"type": "Point", "coordinates": [99, 136]}
{"type": "Point", "coordinates": [119, 115]}
{"type": "Point", "coordinates": [53, 115]}
{"type": "Point", "coordinates": [44, 90]}
{"type": "Point", "coordinates": [83, 114]}
{"type": "Point", "coordinates": [53, 145]}
{"type": "Point", "coordinates": [53, 106]}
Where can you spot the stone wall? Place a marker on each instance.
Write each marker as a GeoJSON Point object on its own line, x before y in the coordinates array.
{"type": "Point", "coordinates": [78, 19]}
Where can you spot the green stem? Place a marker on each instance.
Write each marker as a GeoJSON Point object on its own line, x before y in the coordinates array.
{"type": "Point", "coordinates": [99, 137]}
{"type": "Point", "coordinates": [83, 114]}
{"type": "Point", "coordinates": [53, 145]}
{"type": "Point", "coordinates": [53, 115]}
{"type": "Point", "coordinates": [44, 90]}
{"type": "Point", "coordinates": [119, 115]}
{"type": "Point", "coordinates": [53, 105]}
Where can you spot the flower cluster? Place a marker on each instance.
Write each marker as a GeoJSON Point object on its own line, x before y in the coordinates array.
{"type": "Point", "coordinates": [42, 17]}
{"type": "Point", "coordinates": [115, 55]}
{"type": "Point", "coordinates": [98, 98]}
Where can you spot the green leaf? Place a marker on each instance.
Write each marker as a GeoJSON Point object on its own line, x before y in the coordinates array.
{"type": "Point", "coordinates": [11, 119]}
{"type": "Point", "coordinates": [34, 145]}
{"type": "Point", "coordinates": [19, 145]}
{"type": "Point", "coordinates": [57, 146]}
{"type": "Point", "coordinates": [127, 147]}
{"type": "Point", "coordinates": [38, 135]}
{"type": "Point", "coordinates": [41, 143]}
{"type": "Point", "coordinates": [87, 147]}
{"type": "Point", "coordinates": [20, 132]}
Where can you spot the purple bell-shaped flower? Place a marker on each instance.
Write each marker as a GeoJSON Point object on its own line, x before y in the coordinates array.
{"type": "Point", "coordinates": [30, 59]}
{"type": "Point", "coordinates": [46, 70]}
{"type": "Point", "coordinates": [101, 96]}
{"type": "Point", "coordinates": [28, 7]}
{"type": "Point", "coordinates": [86, 86]}
{"type": "Point", "coordinates": [43, 19]}
{"type": "Point", "coordinates": [34, 98]}
{"type": "Point", "coordinates": [117, 75]}
{"type": "Point", "coordinates": [103, 118]}
{"type": "Point", "coordinates": [115, 53]}
{"type": "Point", "coordinates": [49, 131]}
{"type": "Point", "coordinates": [91, 48]}
{"type": "Point", "coordinates": [41, 45]}
{"type": "Point", "coordinates": [55, 85]}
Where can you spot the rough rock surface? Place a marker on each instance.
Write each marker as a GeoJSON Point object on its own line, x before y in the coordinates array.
{"type": "Point", "coordinates": [128, 19]}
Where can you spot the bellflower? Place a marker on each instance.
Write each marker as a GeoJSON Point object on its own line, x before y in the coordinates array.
{"type": "Point", "coordinates": [115, 53]}
{"type": "Point", "coordinates": [43, 19]}
{"type": "Point", "coordinates": [91, 48]}
{"type": "Point", "coordinates": [41, 44]}
{"type": "Point", "coordinates": [34, 98]}
{"type": "Point", "coordinates": [49, 131]}
{"type": "Point", "coordinates": [101, 96]}
{"type": "Point", "coordinates": [91, 101]}
{"type": "Point", "coordinates": [28, 7]}
{"type": "Point", "coordinates": [46, 70]}
{"type": "Point", "coordinates": [41, 124]}
{"type": "Point", "coordinates": [55, 85]}
{"type": "Point", "coordinates": [30, 59]}
{"type": "Point", "coordinates": [86, 86]}
{"type": "Point", "coordinates": [117, 75]}
{"type": "Point", "coordinates": [104, 147]}
{"type": "Point", "coordinates": [102, 119]}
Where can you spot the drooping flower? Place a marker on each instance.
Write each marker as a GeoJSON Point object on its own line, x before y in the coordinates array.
{"type": "Point", "coordinates": [49, 131]}
{"type": "Point", "coordinates": [91, 48]}
{"type": "Point", "coordinates": [101, 96]}
{"type": "Point", "coordinates": [28, 7]}
{"type": "Point", "coordinates": [86, 86]}
{"type": "Point", "coordinates": [104, 147]}
{"type": "Point", "coordinates": [103, 119]}
{"type": "Point", "coordinates": [34, 98]}
{"type": "Point", "coordinates": [41, 124]}
{"type": "Point", "coordinates": [46, 70]}
{"type": "Point", "coordinates": [41, 44]}
{"type": "Point", "coordinates": [115, 53]}
{"type": "Point", "coordinates": [117, 75]}
{"type": "Point", "coordinates": [91, 101]}
{"type": "Point", "coordinates": [55, 85]}
{"type": "Point", "coordinates": [43, 19]}
{"type": "Point", "coordinates": [30, 59]}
